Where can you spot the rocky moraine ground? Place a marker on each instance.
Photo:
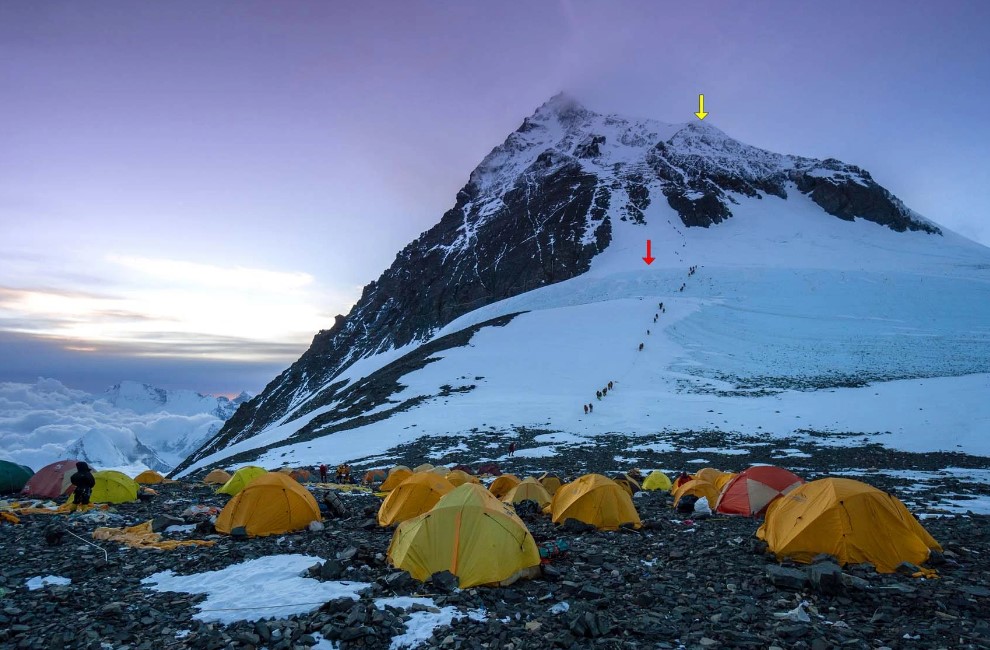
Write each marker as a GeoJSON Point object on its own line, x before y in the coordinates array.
{"type": "Point", "coordinates": [677, 583]}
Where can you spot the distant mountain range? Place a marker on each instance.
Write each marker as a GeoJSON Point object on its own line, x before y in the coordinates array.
{"type": "Point", "coordinates": [130, 425]}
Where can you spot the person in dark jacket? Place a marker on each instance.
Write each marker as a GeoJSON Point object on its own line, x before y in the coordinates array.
{"type": "Point", "coordinates": [323, 473]}
{"type": "Point", "coordinates": [512, 448]}
{"type": "Point", "coordinates": [85, 482]}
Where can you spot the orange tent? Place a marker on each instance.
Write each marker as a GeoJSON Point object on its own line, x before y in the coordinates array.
{"type": "Point", "coordinates": [149, 477]}
{"type": "Point", "coordinates": [596, 500]}
{"type": "Point", "coordinates": [395, 479]}
{"type": "Point", "coordinates": [301, 475]}
{"type": "Point", "coordinates": [849, 520]}
{"type": "Point", "coordinates": [459, 477]}
{"type": "Point", "coordinates": [698, 488]}
{"type": "Point", "coordinates": [270, 504]}
{"type": "Point", "coordinates": [528, 490]}
{"type": "Point", "coordinates": [414, 496]}
{"type": "Point", "coordinates": [374, 476]}
{"type": "Point", "coordinates": [216, 477]}
{"type": "Point", "coordinates": [501, 486]}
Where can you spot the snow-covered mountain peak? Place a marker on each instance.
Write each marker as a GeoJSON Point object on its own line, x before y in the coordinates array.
{"type": "Point", "coordinates": [144, 398]}
{"type": "Point", "coordinates": [568, 200]}
{"type": "Point", "coordinates": [562, 107]}
{"type": "Point", "coordinates": [130, 425]}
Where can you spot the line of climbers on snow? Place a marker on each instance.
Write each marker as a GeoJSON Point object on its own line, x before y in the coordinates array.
{"type": "Point", "coordinates": [599, 394]}
{"type": "Point", "coordinates": [441, 516]}
{"type": "Point", "coordinates": [590, 408]}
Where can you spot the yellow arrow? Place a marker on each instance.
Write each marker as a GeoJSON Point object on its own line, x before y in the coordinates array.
{"type": "Point", "coordinates": [701, 108]}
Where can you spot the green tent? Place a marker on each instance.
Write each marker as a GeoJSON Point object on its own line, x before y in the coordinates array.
{"type": "Point", "coordinates": [13, 476]}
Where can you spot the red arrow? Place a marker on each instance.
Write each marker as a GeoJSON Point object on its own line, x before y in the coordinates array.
{"type": "Point", "coordinates": [649, 258]}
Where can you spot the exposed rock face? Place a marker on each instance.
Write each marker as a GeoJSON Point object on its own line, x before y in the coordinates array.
{"type": "Point", "coordinates": [535, 212]}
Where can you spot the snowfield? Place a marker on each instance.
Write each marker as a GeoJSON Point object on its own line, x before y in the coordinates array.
{"type": "Point", "coordinates": [794, 321]}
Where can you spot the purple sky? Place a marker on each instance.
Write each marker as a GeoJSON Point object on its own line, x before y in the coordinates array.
{"type": "Point", "coordinates": [156, 159]}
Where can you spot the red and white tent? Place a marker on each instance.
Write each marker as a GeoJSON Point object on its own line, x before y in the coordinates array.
{"type": "Point", "coordinates": [749, 493]}
{"type": "Point", "coordinates": [51, 481]}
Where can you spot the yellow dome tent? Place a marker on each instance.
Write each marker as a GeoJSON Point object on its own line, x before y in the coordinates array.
{"type": "Point", "coordinates": [698, 488]}
{"type": "Point", "coordinates": [440, 470]}
{"type": "Point", "coordinates": [657, 480]}
{"type": "Point", "coordinates": [240, 479]}
{"type": "Point", "coordinates": [271, 504]}
{"type": "Point", "coordinates": [425, 467]}
{"type": "Point", "coordinates": [724, 480]}
{"type": "Point", "coordinates": [472, 535]}
{"type": "Point", "coordinates": [551, 482]}
{"type": "Point", "coordinates": [414, 496]}
{"type": "Point", "coordinates": [397, 468]}
{"type": "Point", "coordinates": [596, 500]}
{"type": "Point", "coordinates": [531, 490]}
{"type": "Point", "coordinates": [850, 520]}
{"type": "Point", "coordinates": [216, 477]}
{"type": "Point", "coordinates": [149, 477]}
{"type": "Point", "coordinates": [458, 478]}
{"type": "Point", "coordinates": [501, 486]}
{"type": "Point", "coordinates": [709, 474]}
{"type": "Point", "coordinates": [111, 487]}
{"type": "Point", "coordinates": [395, 479]}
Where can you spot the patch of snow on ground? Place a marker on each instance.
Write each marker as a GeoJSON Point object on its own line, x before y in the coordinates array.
{"type": "Point", "coordinates": [322, 643]}
{"type": "Point", "coordinates": [232, 594]}
{"type": "Point", "coordinates": [38, 582]}
{"type": "Point", "coordinates": [187, 528]}
{"type": "Point", "coordinates": [420, 625]}
{"type": "Point", "coordinates": [719, 450]}
{"type": "Point", "coordinates": [789, 453]}
{"type": "Point", "coordinates": [536, 452]}
{"type": "Point", "coordinates": [978, 506]}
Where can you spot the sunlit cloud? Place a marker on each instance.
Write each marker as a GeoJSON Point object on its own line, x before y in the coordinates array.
{"type": "Point", "coordinates": [179, 272]}
{"type": "Point", "coordinates": [173, 308]}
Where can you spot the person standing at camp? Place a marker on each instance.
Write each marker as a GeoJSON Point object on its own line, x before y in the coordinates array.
{"type": "Point", "coordinates": [85, 482]}
{"type": "Point", "coordinates": [512, 448]}
{"type": "Point", "coordinates": [323, 473]}
{"type": "Point", "coordinates": [682, 479]}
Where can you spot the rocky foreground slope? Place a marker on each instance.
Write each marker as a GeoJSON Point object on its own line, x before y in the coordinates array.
{"type": "Point", "coordinates": [677, 583]}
